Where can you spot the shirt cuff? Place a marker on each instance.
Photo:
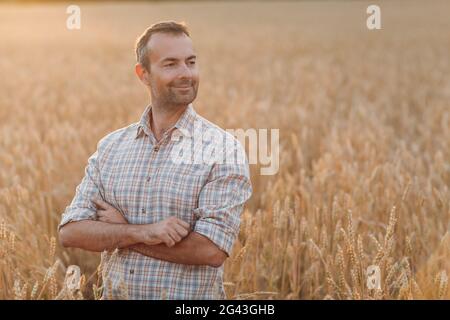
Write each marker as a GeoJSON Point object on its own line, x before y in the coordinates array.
{"type": "Point", "coordinates": [77, 215]}
{"type": "Point", "coordinates": [216, 233]}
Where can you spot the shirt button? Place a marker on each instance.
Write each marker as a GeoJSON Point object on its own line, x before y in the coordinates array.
{"type": "Point", "coordinates": [142, 210]}
{"type": "Point", "coordinates": [131, 271]}
{"type": "Point", "coordinates": [156, 148]}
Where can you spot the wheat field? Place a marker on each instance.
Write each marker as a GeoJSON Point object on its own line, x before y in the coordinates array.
{"type": "Point", "coordinates": [364, 119]}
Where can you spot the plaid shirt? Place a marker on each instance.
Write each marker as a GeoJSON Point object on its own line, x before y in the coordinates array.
{"type": "Point", "coordinates": [135, 173]}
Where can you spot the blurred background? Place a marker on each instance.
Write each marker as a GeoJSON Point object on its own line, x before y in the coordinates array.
{"type": "Point", "coordinates": [364, 119]}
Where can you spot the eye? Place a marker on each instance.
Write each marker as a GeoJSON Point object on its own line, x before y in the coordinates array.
{"type": "Point", "coordinates": [169, 65]}
{"type": "Point", "coordinates": [192, 62]}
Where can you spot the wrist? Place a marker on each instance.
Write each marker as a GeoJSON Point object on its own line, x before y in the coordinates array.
{"type": "Point", "coordinates": [144, 233]}
{"type": "Point", "coordinates": [135, 232]}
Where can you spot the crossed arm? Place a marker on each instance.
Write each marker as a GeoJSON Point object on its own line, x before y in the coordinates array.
{"type": "Point", "coordinates": [113, 231]}
{"type": "Point", "coordinates": [195, 249]}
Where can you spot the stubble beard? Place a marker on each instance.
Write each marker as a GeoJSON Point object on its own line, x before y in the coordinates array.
{"type": "Point", "coordinates": [172, 100]}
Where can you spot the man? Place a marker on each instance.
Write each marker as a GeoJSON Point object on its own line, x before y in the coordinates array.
{"type": "Point", "coordinates": [173, 223]}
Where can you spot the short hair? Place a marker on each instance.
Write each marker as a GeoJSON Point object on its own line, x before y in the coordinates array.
{"type": "Point", "coordinates": [170, 27]}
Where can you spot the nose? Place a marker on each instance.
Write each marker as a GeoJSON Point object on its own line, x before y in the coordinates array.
{"type": "Point", "coordinates": [185, 72]}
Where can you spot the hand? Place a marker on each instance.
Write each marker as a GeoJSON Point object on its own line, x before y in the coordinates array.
{"type": "Point", "coordinates": [107, 213]}
{"type": "Point", "coordinates": [169, 231]}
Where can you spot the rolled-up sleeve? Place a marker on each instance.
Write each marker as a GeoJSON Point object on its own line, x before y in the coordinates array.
{"type": "Point", "coordinates": [82, 207]}
{"type": "Point", "coordinates": [221, 202]}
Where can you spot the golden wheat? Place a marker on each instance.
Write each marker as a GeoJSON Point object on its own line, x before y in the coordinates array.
{"type": "Point", "coordinates": [364, 140]}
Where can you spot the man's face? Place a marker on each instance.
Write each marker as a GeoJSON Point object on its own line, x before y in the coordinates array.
{"type": "Point", "coordinates": [174, 75]}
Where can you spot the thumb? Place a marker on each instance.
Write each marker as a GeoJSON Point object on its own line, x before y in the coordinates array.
{"type": "Point", "coordinates": [102, 204]}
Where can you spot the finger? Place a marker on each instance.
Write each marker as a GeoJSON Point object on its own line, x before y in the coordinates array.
{"type": "Point", "coordinates": [101, 203]}
{"type": "Point", "coordinates": [97, 203]}
{"type": "Point", "coordinates": [168, 241]}
{"type": "Point", "coordinates": [184, 224]}
{"type": "Point", "coordinates": [174, 235]}
{"type": "Point", "coordinates": [116, 214]}
{"type": "Point", "coordinates": [182, 232]}
{"type": "Point", "coordinates": [102, 216]}
{"type": "Point", "coordinates": [110, 212]}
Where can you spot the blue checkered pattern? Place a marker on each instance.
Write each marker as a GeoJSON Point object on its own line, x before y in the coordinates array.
{"type": "Point", "coordinates": [135, 173]}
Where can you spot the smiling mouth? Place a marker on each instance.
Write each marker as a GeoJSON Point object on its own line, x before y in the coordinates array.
{"type": "Point", "coordinates": [183, 88]}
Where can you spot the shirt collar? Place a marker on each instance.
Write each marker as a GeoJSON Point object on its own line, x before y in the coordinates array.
{"type": "Point", "coordinates": [184, 124]}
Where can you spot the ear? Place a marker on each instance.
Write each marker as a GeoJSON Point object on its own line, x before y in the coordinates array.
{"type": "Point", "coordinates": [142, 73]}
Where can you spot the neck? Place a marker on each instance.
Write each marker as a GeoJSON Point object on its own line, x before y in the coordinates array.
{"type": "Point", "coordinates": [164, 117]}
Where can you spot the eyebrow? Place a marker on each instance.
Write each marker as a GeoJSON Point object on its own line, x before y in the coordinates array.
{"type": "Point", "coordinates": [175, 59]}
